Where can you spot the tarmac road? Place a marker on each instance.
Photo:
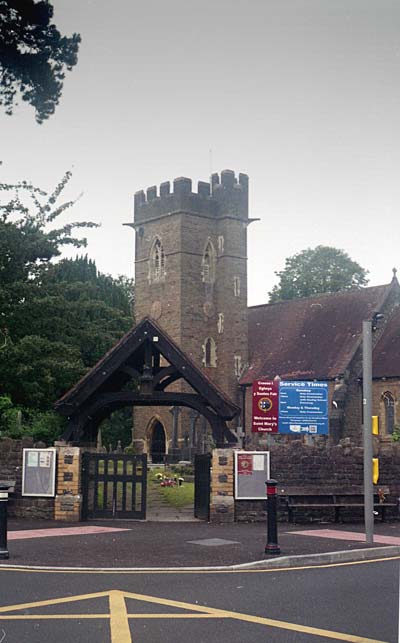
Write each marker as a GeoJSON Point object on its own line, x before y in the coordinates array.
{"type": "Point", "coordinates": [355, 602]}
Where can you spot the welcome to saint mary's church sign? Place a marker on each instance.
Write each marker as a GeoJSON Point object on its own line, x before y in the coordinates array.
{"type": "Point", "coordinates": [290, 407]}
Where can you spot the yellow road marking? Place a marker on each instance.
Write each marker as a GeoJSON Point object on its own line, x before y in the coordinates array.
{"type": "Point", "coordinates": [120, 632]}
{"type": "Point", "coordinates": [119, 617]}
{"type": "Point", "coordinates": [174, 615]}
{"type": "Point", "coordinates": [122, 572]}
{"type": "Point", "coordinates": [254, 619]}
{"type": "Point", "coordinates": [53, 601]}
{"type": "Point", "coordinates": [24, 617]}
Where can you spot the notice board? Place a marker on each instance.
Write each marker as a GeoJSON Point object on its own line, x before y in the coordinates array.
{"type": "Point", "coordinates": [251, 473]}
{"type": "Point", "coordinates": [39, 472]}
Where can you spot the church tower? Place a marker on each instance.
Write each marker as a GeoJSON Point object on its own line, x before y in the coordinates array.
{"type": "Point", "coordinates": [191, 277]}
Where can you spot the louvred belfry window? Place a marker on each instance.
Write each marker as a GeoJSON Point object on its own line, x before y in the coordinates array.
{"type": "Point", "coordinates": [208, 264]}
{"type": "Point", "coordinates": [157, 261]}
{"type": "Point", "coordinates": [209, 352]}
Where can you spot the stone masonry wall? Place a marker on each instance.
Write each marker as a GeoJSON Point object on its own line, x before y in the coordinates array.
{"type": "Point", "coordinates": [11, 469]}
{"type": "Point", "coordinates": [222, 503]}
{"type": "Point", "coordinates": [296, 464]}
{"type": "Point", "coordinates": [68, 500]}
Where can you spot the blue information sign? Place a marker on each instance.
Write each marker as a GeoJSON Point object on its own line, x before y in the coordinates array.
{"type": "Point", "coordinates": [303, 408]}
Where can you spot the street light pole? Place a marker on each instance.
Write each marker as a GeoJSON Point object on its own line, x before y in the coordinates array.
{"type": "Point", "coordinates": [367, 429]}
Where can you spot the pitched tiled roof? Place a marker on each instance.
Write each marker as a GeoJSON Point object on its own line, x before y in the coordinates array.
{"type": "Point", "coordinates": [311, 338]}
{"type": "Point", "coordinates": [386, 359]}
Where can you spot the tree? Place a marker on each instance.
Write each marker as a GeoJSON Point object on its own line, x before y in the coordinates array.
{"type": "Point", "coordinates": [315, 271]}
{"type": "Point", "coordinates": [77, 305]}
{"type": "Point", "coordinates": [56, 319]}
{"type": "Point", "coordinates": [33, 56]}
{"type": "Point", "coordinates": [26, 244]}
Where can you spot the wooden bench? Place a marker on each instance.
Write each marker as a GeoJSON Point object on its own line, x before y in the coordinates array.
{"type": "Point", "coordinates": [335, 498]}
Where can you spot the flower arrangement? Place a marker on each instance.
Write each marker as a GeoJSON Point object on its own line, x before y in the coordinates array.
{"type": "Point", "coordinates": [168, 482]}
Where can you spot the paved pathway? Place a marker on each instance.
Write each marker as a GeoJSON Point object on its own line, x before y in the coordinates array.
{"type": "Point", "coordinates": [23, 534]}
{"type": "Point", "coordinates": [159, 510]}
{"type": "Point", "coordinates": [347, 535]}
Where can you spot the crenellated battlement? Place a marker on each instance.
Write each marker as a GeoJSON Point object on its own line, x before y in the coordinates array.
{"type": "Point", "coordinates": [225, 195]}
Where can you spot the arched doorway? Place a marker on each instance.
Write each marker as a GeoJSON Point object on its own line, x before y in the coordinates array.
{"type": "Point", "coordinates": [157, 443]}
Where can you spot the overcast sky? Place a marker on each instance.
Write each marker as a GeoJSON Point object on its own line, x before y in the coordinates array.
{"type": "Point", "coordinates": [302, 95]}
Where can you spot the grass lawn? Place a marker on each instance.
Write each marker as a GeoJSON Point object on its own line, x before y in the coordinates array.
{"type": "Point", "coordinates": [178, 497]}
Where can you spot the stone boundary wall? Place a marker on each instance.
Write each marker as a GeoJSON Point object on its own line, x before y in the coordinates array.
{"type": "Point", "coordinates": [11, 469]}
{"type": "Point", "coordinates": [68, 500]}
{"type": "Point", "coordinates": [222, 504]}
{"type": "Point", "coordinates": [300, 465]}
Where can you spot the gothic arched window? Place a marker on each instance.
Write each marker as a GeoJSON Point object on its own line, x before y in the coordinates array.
{"type": "Point", "coordinates": [208, 264]}
{"type": "Point", "coordinates": [388, 404]}
{"type": "Point", "coordinates": [157, 261]}
{"type": "Point", "coordinates": [209, 353]}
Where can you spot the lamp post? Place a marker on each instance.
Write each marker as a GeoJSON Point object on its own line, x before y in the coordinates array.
{"type": "Point", "coordinates": [367, 429]}
{"type": "Point", "coordinates": [368, 328]}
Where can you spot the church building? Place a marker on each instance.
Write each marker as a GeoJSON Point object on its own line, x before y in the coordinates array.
{"type": "Point", "coordinates": [191, 277]}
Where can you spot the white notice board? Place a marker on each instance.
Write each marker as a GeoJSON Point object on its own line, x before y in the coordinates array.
{"type": "Point", "coordinates": [39, 472]}
{"type": "Point", "coordinates": [251, 473]}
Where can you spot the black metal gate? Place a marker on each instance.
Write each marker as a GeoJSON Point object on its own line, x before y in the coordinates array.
{"type": "Point", "coordinates": [202, 486]}
{"type": "Point", "coordinates": [114, 485]}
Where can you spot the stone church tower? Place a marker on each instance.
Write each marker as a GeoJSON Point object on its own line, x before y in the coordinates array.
{"type": "Point", "coordinates": [191, 277]}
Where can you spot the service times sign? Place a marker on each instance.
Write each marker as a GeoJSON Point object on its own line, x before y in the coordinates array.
{"type": "Point", "coordinates": [265, 406]}
{"type": "Point", "coordinates": [303, 408]}
{"type": "Point", "coordinates": [295, 407]}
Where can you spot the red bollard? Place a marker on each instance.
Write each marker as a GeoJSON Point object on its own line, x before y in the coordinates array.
{"type": "Point", "coordinates": [272, 548]}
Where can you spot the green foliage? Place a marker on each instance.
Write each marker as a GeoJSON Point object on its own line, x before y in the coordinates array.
{"type": "Point", "coordinates": [118, 427]}
{"type": "Point", "coordinates": [27, 245]}
{"type": "Point", "coordinates": [87, 311]}
{"type": "Point", "coordinates": [33, 56]}
{"type": "Point", "coordinates": [17, 422]}
{"type": "Point", "coordinates": [396, 434]}
{"type": "Point", "coordinates": [56, 320]}
{"type": "Point", "coordinates": [315, 271]}
{"type": "Point", "coordinates": [8, 415]}
{"type": "Point", "coordinates": [35, 371]}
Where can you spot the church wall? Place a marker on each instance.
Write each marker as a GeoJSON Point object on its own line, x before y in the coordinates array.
{"type": "Point", "coordinates": [381, 387]}
{"type": "Point", "coordinates": [316, 465]}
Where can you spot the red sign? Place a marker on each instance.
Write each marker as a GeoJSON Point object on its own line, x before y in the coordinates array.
{"type": "Point", "coordinates": [265, 406]}
{"type": "Point", "coordinates": [244, 464]}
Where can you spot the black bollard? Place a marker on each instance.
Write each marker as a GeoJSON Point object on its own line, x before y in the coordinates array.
{"type": "Point", "coordinates": [272, 548]}
{"type": "Point", "coordinates": [3, 521]}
